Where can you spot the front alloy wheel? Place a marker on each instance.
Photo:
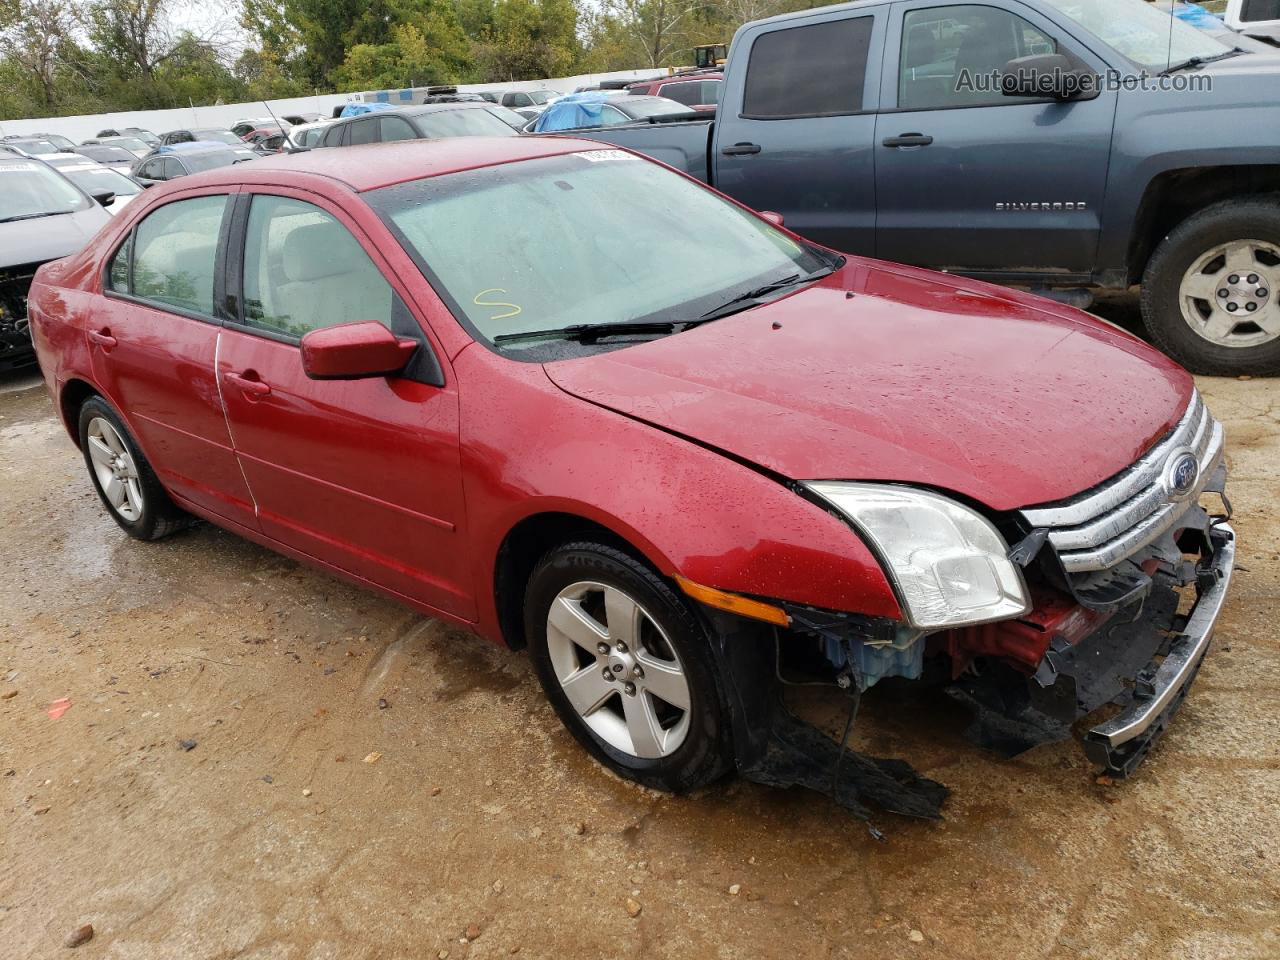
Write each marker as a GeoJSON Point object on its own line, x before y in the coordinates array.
{"type": "Point", "coordinates": [618, 669]}
{"type": "Point", "coordinates": [628, 664]}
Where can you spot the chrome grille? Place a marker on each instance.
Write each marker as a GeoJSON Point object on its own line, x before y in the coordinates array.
{"type": "Point", "coordinates": [1114, 520]}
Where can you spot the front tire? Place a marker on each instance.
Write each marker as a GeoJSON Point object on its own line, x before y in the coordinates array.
{"type": "Point", "coordinates": [1211, 291]}
{"type": "Point", "coordinates": [628, 667]}
{"type": "Point", "coordinates": [123, 477]}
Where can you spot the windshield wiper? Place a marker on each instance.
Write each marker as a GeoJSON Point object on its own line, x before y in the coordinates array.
{"type": "Point", "coordinates": [591, 332]}
{"type": "Point", "coordinates": [745, 301]}
{"type": "Point", "coordinates": [32, 216]}
{"type": "Point", "coordinates": [1200, 61]}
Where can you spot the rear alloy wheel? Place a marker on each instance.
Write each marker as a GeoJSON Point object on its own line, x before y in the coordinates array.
{"type": "Point", "coordinates": [125, 482]}
{"type": "Point", "coordinates": [115, 469]}
{"type": "Point", "coordinates": [627, 663]}
{"type": "Point", "coordinates": [1211, 291]}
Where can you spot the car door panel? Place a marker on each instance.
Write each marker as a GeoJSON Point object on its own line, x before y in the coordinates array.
{"type": "Point", "coordinates": [977, 182]}
{"type": "Point", "coordinates": [795, 130]}
{"type": "Point", "coordinates": [156, 365]}
{"type": "Point", "coordinates": [362, 474]}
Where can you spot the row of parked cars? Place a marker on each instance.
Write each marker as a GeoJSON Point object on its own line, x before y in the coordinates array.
{"type": "Point", "coordinates": [62, 192]}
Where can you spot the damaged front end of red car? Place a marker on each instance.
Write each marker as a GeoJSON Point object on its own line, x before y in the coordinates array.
{"type": "Point", "coordinates": [1126, 582]}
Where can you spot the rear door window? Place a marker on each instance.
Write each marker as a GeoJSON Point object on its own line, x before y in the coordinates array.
{"type": "Point", "coordinates": [172, 256]}
{"type": "Point", "coordinates": [810, 71]}
{"type": "Point", "coordinates": [686, 93]}
{"type": "Point", "coordinates": [396, 128]}
{"type": "Point", "coordinates": [363, 131]}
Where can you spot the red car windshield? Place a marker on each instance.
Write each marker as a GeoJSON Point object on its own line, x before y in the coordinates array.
{"type": "Point", "coordinates": [596, 237]}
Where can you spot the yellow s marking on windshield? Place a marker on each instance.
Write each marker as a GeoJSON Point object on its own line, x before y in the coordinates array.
{"type": "Point", "coordinates": [515, 311]}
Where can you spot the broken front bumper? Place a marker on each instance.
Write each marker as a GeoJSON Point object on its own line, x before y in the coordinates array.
{"type": "Point", "coordinates": [1122, 742]}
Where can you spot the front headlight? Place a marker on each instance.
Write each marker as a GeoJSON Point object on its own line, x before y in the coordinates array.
{"type": "Point", "coordinates": [947, 562]}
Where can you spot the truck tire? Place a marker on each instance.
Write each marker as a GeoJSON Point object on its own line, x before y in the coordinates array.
{"type": "Point", "coordinates": [628, 667]}
{"type": "Point", "coordinates": [1211, 290]}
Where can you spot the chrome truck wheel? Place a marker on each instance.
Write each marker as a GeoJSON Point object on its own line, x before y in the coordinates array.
{"type": "Point", "coordinates": [1211, 290]}
{"type": "Point", "coordinates": [1229, 295]}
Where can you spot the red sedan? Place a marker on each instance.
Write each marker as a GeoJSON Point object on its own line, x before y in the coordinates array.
{"type": "Point", "coordinates": [505, 383]}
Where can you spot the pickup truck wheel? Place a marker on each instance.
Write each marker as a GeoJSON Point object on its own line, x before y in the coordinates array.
{"type": "Point", "coordinates": [627, 665]}
{"type": "Point", "coordinates": [120, 473]}
{"type": "Point", "coordinates": [1211, 292]}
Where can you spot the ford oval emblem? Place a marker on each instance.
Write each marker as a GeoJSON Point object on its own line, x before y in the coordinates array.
{"type": "Point", "coordinates": [1183, 472]}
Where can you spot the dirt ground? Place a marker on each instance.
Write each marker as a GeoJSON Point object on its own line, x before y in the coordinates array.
{"type": "Point", "coordinates": [369, 783]}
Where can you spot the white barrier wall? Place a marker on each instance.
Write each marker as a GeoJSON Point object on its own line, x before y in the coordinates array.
{"type": "Point", "coordinates": [223, 115]}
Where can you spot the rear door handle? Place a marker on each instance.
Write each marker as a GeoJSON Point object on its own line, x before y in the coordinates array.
{"type": "Point", "coordinates": [251, 387]}
{"type": "Point", "coordinates": [908, 140]}
{"type": "Point", "coordinates": [741, 149]}
{"type": "Point", "coordinates": [103, 338]}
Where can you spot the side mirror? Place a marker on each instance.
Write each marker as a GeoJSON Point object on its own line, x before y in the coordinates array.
{"type": "Point", "coordinates": [772, 216]}
{"type": "Point", "coordinates": [145, 183]}
{"type": "Point", "coordinates": [105, 197]}
{"type": "Point", "coordinates": [1043, 75]}
{"type": "Point", "coordinates": [354, 351]}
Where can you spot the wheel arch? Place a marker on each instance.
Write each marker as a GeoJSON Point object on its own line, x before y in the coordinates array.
{"type": "Point", "coordinates": [74, 393]}
{"type": "Point", "coordinates": [1174, 195]}
{"type": "Point", "coordinates": [530, 539]}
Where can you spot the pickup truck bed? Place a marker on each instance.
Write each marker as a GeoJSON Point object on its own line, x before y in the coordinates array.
{"type": "Point", "coordinates": [685, 145]}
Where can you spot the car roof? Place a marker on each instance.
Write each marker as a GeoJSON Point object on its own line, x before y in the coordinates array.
{"type": "Point", "coordinates": [632, 101]}
{"type": "Point", "coordinates": [197, 146]}
{"type": "Point", "coordinates": [370, 166]}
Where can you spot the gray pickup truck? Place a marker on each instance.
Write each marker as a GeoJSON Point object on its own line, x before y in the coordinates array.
{"type": "Point", "coordinates": [1054, 144]}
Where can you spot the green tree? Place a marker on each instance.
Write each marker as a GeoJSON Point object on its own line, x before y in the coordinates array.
{"type": "Point", "coordinates": [528, 40]}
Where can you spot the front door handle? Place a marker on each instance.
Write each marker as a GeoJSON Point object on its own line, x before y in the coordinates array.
{"type": "Point", "coordinates": [741, 149]}
{"type": "Point", "coordinates": [251, 387]}
{"type": "Point", "coordinates": [103, 338]}
{"type": "Point", "coordinates": [908, 140]}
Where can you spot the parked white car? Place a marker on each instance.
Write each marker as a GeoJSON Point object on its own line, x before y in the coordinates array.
{"type": "Point", "coordinates": [94, 178]}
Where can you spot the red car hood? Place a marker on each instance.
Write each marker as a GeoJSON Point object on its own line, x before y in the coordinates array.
{"type": "Point", "coordinates": [885, 373]}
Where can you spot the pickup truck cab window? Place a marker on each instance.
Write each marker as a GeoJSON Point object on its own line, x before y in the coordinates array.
{"type": "Point", "coordinates": [950, 55]}
{"type": "Point", "coordinates": [303, 270]}
{"type": "Point", "coordinates": [809, 71]}
{"type": "Point", "coordinates": [173, 256]}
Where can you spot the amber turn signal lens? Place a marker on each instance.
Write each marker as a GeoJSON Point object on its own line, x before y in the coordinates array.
{"type": "Point", "coordinates": [734, 603]}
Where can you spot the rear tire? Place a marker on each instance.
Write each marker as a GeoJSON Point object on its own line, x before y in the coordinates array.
{"type": "Point", "coordinates": [661, 720]}
{"type": "Point", "coordinates": [1211, 291]}
{"type": "Point", "coordinates": [120, 472]}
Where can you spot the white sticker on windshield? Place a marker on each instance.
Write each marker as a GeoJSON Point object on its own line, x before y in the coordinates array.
{"type": "Point", "coordinates": [595, 156]}
{"type": "Point", "coordinates": [23, 167]}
